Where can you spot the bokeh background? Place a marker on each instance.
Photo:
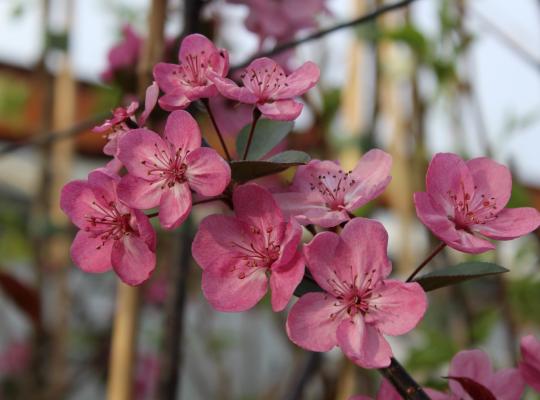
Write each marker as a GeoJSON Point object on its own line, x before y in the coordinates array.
{"type": "Point", "coordinates": [438, 75]}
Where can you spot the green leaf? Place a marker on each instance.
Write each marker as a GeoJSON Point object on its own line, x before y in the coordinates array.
{"type": "Point", "coordinates": [267, 135]}
{"type": "Point", "coordinates": [459, 273]}
{"type": "Point", "coordinates": [243, 171]}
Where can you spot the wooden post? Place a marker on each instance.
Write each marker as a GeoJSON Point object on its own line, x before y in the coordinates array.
{"type": "Point", "coordinates": [124, 338]}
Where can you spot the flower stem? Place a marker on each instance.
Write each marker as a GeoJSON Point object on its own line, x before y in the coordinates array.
{"type": "Point", "coordinates": [216, 128]}
{"type": "Point", "coordinates": [256, 116]}
{"type": "Point", "coordinates": [436, 251]}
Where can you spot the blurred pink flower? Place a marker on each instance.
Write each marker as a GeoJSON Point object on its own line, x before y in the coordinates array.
{"type": "Point", "coordinates": [323, 194]}
{"type": "Point", "coordinates": [15, 358]}
{"type": "Point", "coordinates": [162, 171]}
{"type": "Point", "coordinates": [267, 86]}
{"type": "Point", "coordinates": [189, 81]}
{"type": "Point", "coordinates": [466, 200]}
{"type": "Point", "coordinates": [359, 304]}
{"type": "Point", "coordinates": [476, 370]}
{"type": "Point", "coordinates": [280, 19]}
{"type": "Point", "coordinates": [111, 233]}
{"type": "Point", "coordinates": [146, 377]}
{"type": "Point", "coordinates": [237, 254]}
{"type": "Point", "coordinates": [231, 116]}
{"type": "Point", "coordinates": [530, 362]}
{"type": "Point", "coordinates": [123, 55]}
{"type": "Point", "coordinates": [120, 123]}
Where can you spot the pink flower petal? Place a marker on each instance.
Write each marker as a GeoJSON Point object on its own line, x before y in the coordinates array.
{"type": "Point", "coordinates": [140, 193]}
{"type": "Point", "coordinates": [226, 291]}
{"type": "Point", "coordinates": [281, 110]}
{"type": "Point", "coordinates": [255, 205]}
{"type": "Point", "coordinates": [530, 361]}
{"type": "Point", "coordinates": [232, 91]}
{"type": "Point", "coordinates": [510, 223]}
{"type": "Point", "coordinates": [309, 209]}
{"type": "Point", "coordinates": [76, 201]}
{"type": "Point", "coordinates": [448, 173]}
{"type": "Point", "coordinates": [309, 324]}
{"type": "Point", "coordinates": [290, 241]}
{"type": "Point", "coordinates": [208, 174]}
{"type": "Point", "coordinates": [150, 100]}
{"type": "Point", "coordinates": [490, 179]}
{"type": "Point", "coordinates": [195, 45]}
{"type": "Point", "coordinates": [283, 281]}
{"type": "Point", "coordinates": [435, 218]}
{"type": "Point", "coordinates": [259, 68]}
{"type": "Point", "coordinates": [182, 131]}
{"type": "Point", "coordinates": [140, 145]}
{"type": "Point", "coordinates": [507, 384]}
{"type": "Point", "coordinates": [175, 206]}
{"type": "Point", "coordinates": [473, 364]}
{"type": "Point", "coordinates": [145, 228]}
{"type": "Point", "coordinates": [321, 254]}
{"type": "Point", "coordinates": [213, 245]}
{"type": "Point", "coordinates": [165, 75]}
{"type": "Point", "coordinates": [300, 81]}
{"type": "Point", "coordinates": [363, 344]}
{"type": "Point", "coordinates": [91, 254]}
{"type": "Point", "coordinates": [367, 256]}
{"type": "Point", "coordinates": [175, 100]}
{"type": "Point", "coordinates": [132, 260]}
{"type": "Point", "coordinates": [389, 300]}
{"type": "Point", "coordinates": [371, 175]}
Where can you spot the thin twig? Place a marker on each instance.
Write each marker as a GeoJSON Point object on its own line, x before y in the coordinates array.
{"type": "Point", "coordinates": [216, 128]}
{"type": "Point", "coordinates": [256, 116]}
{"type": "Point", "coordinates": [436, 251]}
{"type": "Point", "coordinates": [403, 382]}
{"type": "Point", "coordinates": [311, 366]}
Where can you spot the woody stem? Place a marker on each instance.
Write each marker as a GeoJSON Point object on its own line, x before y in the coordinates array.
{"type": "Point", "coordinates": [256, 116]}
{"type": "Point", "coordinates": [436, 251]}
{"type": "Point", "coordinates": [216, 128]}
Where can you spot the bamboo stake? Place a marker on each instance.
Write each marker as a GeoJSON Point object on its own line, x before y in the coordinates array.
{"type": "Point", "coordinates": [124, 339]}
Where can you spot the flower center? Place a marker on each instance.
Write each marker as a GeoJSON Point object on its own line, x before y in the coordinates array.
{"type": "Point", "coordinates": [264, 82]}
{"type": "Point", "coordinates": [169, 169]}
{"type": "Point", "coordinates": [262, 251]}
{"type": "Point", "coordinates": [108, 223]}
{"type": "Point", "coordinates": [472, 210]}
{"type": "Point", "coordinates": [332, 186]}
{"type": "Point", "coordinates": [192, 71]}
{"type": "Point", "coordinates": [352, 297]}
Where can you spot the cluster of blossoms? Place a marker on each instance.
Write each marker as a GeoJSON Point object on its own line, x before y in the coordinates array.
{"type": "Point", "coordinates": [259, 245]}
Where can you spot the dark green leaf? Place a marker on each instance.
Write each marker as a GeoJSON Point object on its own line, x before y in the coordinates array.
{"type": "Point", "coordinates": [459, 273]}
{"type": "Point", "coordinates": [243, 171]}
{"type": "Point", "coordinates": [267, 135]}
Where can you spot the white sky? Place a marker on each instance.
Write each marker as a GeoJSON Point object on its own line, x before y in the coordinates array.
{"type": "Point", "coordinates": [507, 86]}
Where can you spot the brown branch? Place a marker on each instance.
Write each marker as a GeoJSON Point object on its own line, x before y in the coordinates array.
{"type": "Point", "coordinates": [436, 251]}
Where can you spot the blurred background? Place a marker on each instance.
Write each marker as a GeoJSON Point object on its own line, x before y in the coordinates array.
{"type": "Point", "coordinates": [435, 75]}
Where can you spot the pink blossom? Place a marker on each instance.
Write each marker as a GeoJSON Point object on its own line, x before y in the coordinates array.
{"type": "Point", "coordinates": [267, 86]}
{"type": "Point", "coordinates": [529, 367]}
{"type": "Point", "coordinates": [111, 233]}
{"type": "Point", "coordinates": [359, 304]}
{"type": "Point", "coordinates": [230, 115]}
{"type": "Point", "coordinates": [163, 170]}
{"type": "Point", "coordinates": [121, 122]}
{"type": "Point", "coordinates": [323, 194]}
{"type": "Point", "coordinates": [466, 200]}
{"type": "Point", "coordinates": [124, 55]}
{"type": "Point", "coordinates": [280, 19]}
{"type": "Point", "coordinates": [475, 366]}
{"type": "Point", "coordinates": [237, 253]}
{"type": "Point", "coordinates": [189, 81]}
{"type": "Point", "coordinates": [146, 377]}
